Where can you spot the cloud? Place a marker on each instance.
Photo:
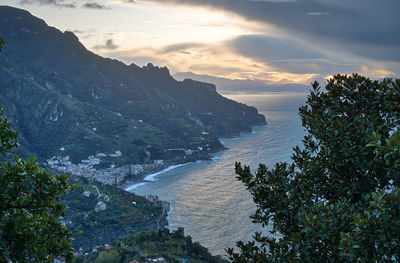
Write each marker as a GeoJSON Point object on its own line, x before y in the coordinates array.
{"type": "Point", "coordinates": [76, 31]}
{"type": "Point", "coordinates": [368, 28]}
{"type": "Point", "coordinates": [270, 48]}
{"type": "Point", "coordinates": [216, 69]}
{"type": "Point", "coordinates": [286, 55]}
{"type": "Point", "coordinates": [216, 59]}
{"type": "Point", "coordinates": [95, 6]}
{"type": "Point", "coordinates": [69, 3]}
{"type": "Point", "coordinates": [279, 59]}
{"type": "Point", "coordinates": [86, 31]}
{"type": "Point", "coordinates": [109, 45]}
{"type": "Point", "coordinates": [57, 3]}
{"type": "Point", "coordinates": [318, 13]}
{"type": "Point", "coordinates": [180, 47]}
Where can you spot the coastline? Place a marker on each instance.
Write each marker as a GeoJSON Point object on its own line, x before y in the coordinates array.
{"type": "Point", "coordinates": [148, 178]}
{"type": "Point", "coordinates": [181, 213]}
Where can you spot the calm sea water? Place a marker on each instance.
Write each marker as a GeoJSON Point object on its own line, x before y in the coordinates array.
{"type": "Point", "coordinates": [207, 199]}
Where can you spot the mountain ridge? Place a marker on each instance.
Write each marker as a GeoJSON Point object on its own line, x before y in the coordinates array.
{"type": "Point", "coordinates": [67, 101]}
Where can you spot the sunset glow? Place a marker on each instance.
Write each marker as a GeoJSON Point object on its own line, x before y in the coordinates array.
{"type": "Point", "coordinates": [210, 41]}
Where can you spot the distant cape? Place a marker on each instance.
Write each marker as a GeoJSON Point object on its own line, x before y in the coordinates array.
{"type": "Point", "coordinates": [225, 85]}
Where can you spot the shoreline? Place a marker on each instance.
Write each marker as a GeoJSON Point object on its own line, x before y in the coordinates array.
{"type": "Point", "coordinates": [149, 178]}
{"type": "Point", "coordinates": [146, 178]}
{"type": "Point", "coordinates": [128, 186]}
{"type": "Point", "coordinates": [215, 156]}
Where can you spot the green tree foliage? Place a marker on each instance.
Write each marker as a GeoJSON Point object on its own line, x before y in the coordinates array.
{"type": "Point", "coordinates": [153, 244]}
{"type": "Point", "coordinates": [29, 206]}
{"type": "Point", "coordinates": [108, 256]}
{"type": "Point", "coordinates": [339, 201]}
{"type": "Point", "coordinates": [1, 44]}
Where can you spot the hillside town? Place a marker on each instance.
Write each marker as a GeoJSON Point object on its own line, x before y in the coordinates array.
{"type": "Point", "coordinates": [111, 176]}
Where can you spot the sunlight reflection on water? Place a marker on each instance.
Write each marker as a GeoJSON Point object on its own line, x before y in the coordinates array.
{"type": "Point", "coordinates": [206, 198]}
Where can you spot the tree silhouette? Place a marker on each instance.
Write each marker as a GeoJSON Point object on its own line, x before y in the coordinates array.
{"type": "Point", "coordinates": [30, 206]}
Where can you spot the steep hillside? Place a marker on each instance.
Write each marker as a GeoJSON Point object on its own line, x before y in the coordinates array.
{"type": "Point", "coordinates": [99, 214]}
{"type": "Point", "coordinates": [67, 101]}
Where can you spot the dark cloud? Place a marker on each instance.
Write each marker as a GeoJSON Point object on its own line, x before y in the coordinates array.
{"type": "Point", "coordinates": [95, 6]}
{"type": "Point", "coordinates": [57, 3]}
{"type": "Point", "coordinates": [181, 47]}
{"type": "Point", "coordinates": [341, 24]}
{"type": "Point", "coordinates": [85, 31]}
{"type": "Point", "coordinates": [68, 3]}
{"type": "Point", "coordinates": [216, 69]}
{"type": "Point", "coordinates": [129, 1]}
{"type": "Point", "coordinates": [318, 13]}
{"type": "Point", "coordinates": [109, 45]}
{"type": "Point", "coordinates": [271, 48]}
{"type": "Point", "coordinates": [286, 55]}
{"type": "Point", "coordinates": [77, 31]}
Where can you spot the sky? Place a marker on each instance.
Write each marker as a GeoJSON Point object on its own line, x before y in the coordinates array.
{"type": "Point", "coordinates": [273, 41]}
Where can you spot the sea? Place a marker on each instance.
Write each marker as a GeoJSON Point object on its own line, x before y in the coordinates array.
{"type": "Point", "coordinates": [206, 197]}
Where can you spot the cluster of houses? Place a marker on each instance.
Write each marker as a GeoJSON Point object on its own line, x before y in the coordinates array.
{"type": "Point", "coordinates": [112, 175]}
{"type": "Point", "coordinates": [102, 200]}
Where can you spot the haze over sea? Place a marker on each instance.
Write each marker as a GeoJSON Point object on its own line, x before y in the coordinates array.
{"type": "Point", "coordinates": [206, 198]}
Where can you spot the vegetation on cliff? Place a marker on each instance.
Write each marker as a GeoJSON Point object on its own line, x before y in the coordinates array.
{"type": "Point", "coordinates": [173, 247]}
{"type": "Point", "coordinates": [99, 214]}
